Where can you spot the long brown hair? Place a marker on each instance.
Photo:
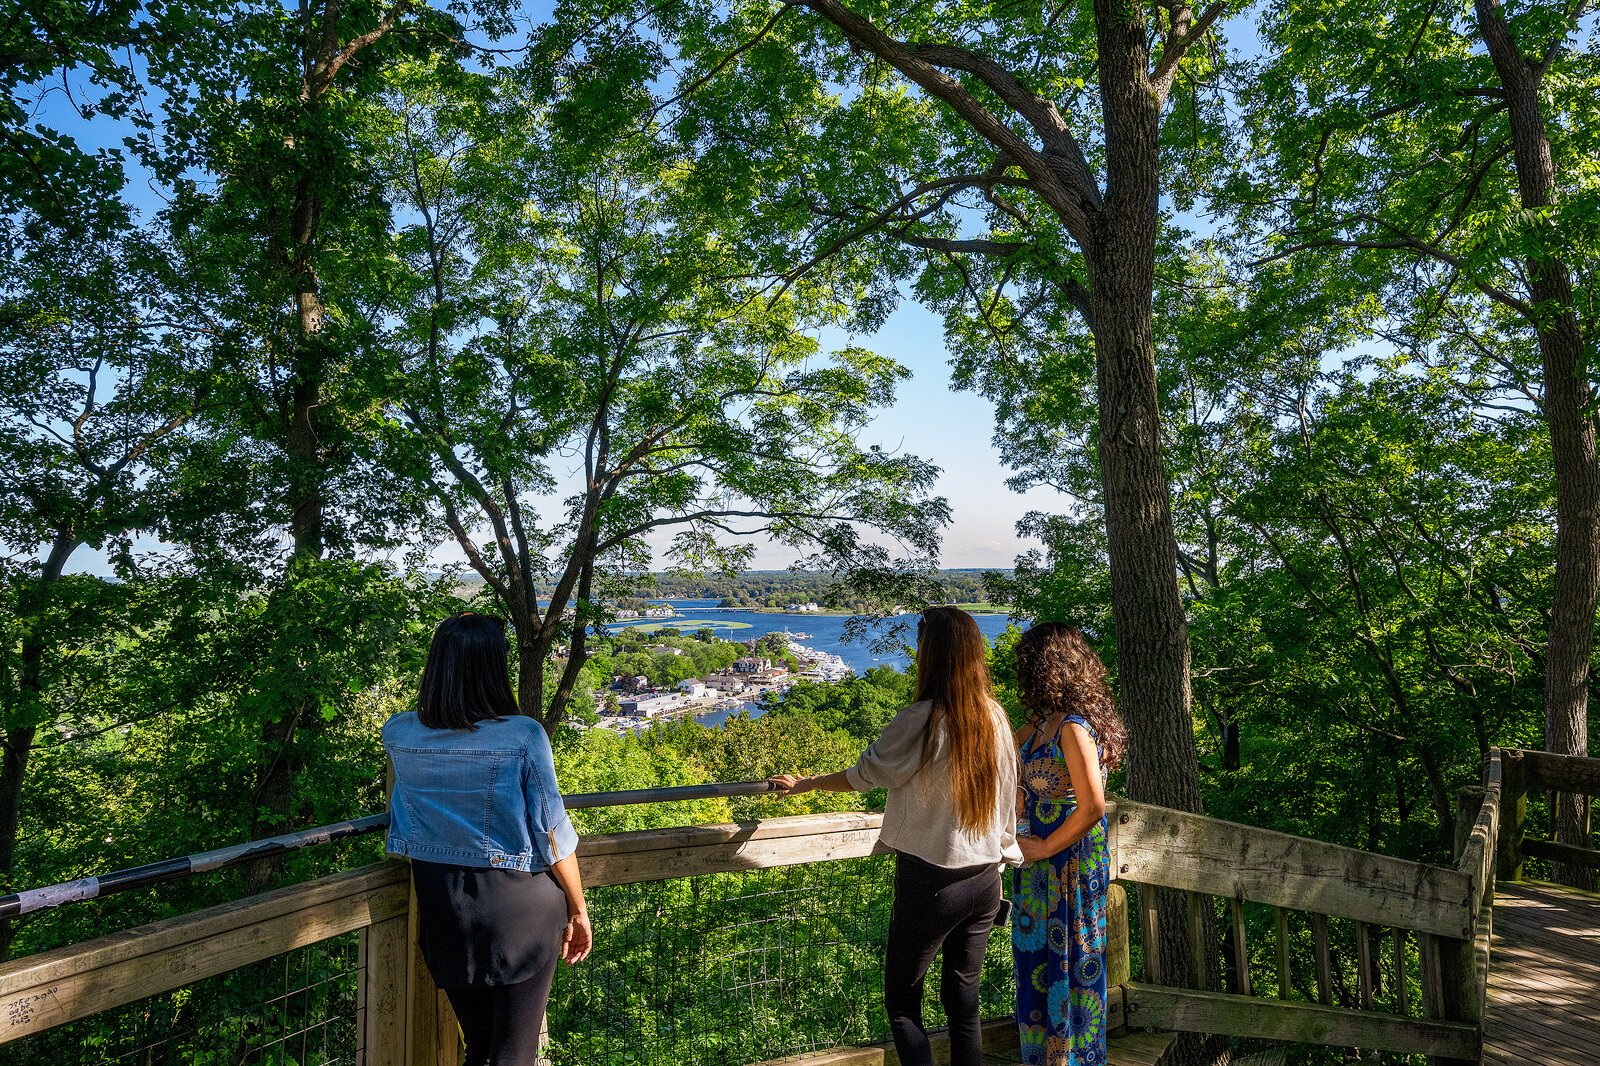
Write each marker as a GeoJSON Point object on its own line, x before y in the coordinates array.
{"type": "Point", "coordinates": [953, 673]}
{"type": "Point", "coordinates": [1057, 671]}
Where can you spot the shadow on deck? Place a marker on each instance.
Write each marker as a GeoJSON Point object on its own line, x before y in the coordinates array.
{"type": "Point", "coordinates": [1545, 977]}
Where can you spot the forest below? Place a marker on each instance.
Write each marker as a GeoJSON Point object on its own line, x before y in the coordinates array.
{"type": "Point", "coordinates": [1293, 315]}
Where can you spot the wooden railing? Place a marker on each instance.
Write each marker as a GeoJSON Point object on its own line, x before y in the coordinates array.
{"type": "Point", "coordinates": [401, 1016]}
{"type": "Point", "coordinates": [1223, 866]}
{"type": "Point", "coordinates": [1532, 771]}
{"type": "Point", "coordinates": [1438, 915]}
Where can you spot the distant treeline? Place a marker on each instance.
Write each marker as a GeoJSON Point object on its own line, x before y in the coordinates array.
{"type": "Point", "coordinates": [788, 588]}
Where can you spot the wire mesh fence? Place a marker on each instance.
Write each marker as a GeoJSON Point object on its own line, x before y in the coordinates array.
{"type": "Point", "coordinates": [717, 969]}
{"type": "Point", "coordinates": [297, 1009]}
{"type": "Point", "coordinates": [738, 968]}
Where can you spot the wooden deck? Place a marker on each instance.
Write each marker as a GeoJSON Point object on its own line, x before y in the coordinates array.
{"type": "Point", "coordinates": [1543, 977]}
{"type": "Point", "coordinates": [1129, 1049]}
{"type": "Point", "coordinates": [1000, 1049]}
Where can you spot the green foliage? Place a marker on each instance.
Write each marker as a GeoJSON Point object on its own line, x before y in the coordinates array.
{"type": "Point", "coordinates": [542, 309]}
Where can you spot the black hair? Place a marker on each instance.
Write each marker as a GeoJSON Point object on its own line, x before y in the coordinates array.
{"type": "Point", "coordinates": [466, 679]}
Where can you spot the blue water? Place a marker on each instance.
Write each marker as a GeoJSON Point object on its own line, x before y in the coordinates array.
{"type": "Point", "coordinates": [827, 631]}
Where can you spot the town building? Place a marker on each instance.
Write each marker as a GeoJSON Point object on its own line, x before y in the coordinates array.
{"type": "Point", "coordinates": [653, 705]}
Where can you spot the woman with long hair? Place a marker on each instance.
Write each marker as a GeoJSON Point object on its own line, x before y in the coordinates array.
{"type": "Point", "coordinates": [1072, 737]}
{"type": "Point", "coordinates": [476, 809]}
{"type": "Point", "coordinates": [950, 765]}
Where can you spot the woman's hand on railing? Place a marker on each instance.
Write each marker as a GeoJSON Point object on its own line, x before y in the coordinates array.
{"type": "Point", "coordinates": [577, 939]}
{"type": "Point", "coordinates": [790, 784]}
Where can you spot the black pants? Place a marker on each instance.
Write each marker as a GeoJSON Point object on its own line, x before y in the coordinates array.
{"type": "Point", "coordinates": [502, 1022]}
{"type": "Point", "coordinates": [491, 939]}
{"type": "Point", "coordinates": [938, 908]}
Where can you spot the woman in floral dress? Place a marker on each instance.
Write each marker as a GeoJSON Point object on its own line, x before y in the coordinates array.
{"type": "Point", "coordinates": [1072, 737]}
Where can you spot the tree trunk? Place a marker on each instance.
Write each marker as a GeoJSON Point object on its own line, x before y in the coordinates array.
{"type": "Point", "coordinates": [577, 648]}
{"type": "Point", "coordinates": [1231, 748]}
{"type": "Point", "coordinates": [16, 742]}
{"type": "Point", "coordinates": [1572, 439]}
{"type": "Point", "coordinates": [17, 745]}
{"type": "Point", "coordinates": [530, 677]}
{"type": "Point", "coordinates": [1152, 628]}
{"type": "Point", "coordinates": [305, 501]}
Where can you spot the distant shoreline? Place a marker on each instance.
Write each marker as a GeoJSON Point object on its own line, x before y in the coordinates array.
{"type": "Point", "coordinates": [970, 608]}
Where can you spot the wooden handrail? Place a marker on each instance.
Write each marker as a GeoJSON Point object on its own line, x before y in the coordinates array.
{"type": "Point", "coordinates": [73, 982]}
{"type": "Point", "coordinates": [1560, 773]}
{"type": "Point", "coordinates": [68, 983]}
{"type": "Point", "coordinates": [1171, 849]}
{"type": "Point", "coordinates": [1526, 770]}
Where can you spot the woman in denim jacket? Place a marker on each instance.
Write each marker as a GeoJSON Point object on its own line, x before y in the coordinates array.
{"type": "Point", "coordinates": [476, 809]}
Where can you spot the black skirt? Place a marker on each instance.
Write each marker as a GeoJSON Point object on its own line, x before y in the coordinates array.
{"type": "Point", "coordinates": [479, 926]}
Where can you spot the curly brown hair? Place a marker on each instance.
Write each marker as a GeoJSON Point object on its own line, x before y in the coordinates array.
{"type": "Point", "coordinates": [1059, 673]}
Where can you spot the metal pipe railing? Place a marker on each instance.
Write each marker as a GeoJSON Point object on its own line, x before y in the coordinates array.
{"type": "Point", "coordinates": [85, 888]}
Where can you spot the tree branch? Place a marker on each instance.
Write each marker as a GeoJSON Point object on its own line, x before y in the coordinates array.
{"type": "Point", "coordinates": [1071, 197]}
{"type": "Point", "coordinates": [1179, 43]}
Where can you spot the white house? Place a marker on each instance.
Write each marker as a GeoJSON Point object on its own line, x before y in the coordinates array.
{"type": "Point", "coordinates": [750, 664]}
{"type": "Point", "coordinates": [651, 706]}
{"type": "Point", "coordinates": [694, 687]}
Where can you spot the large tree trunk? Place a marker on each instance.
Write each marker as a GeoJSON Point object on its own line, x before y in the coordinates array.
{"type": "Point", "coordinates": [1152, 627]}
{"type": "Point", "coordinates": [1572, 439]}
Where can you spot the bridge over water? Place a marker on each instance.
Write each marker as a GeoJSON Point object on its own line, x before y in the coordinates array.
{"type": "Point", "coordinates": [760, 942]}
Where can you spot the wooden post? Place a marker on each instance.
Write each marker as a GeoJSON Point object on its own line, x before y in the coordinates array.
{"type": "Point", "coordinates": [1149, 932]}
{"type": "Point", "coordinates": [1241, 953]}
{"type": "Point", "coordinates": [1513, 815]}
{"type": "Point", "coordinates": [1283, 952]}
{"type": "Point", "coordinates": [1364, 960]}
{"type": "Point", "coordinates": [1449, 987]}
{"type": "Point", "coordinates": [1402, 981]}
{"type": "Point", "coordinates": [381, 996]}
{"type": "Point", "coordinates": [1198, 905]}
{"type": "Point", "coordinates": [1319, 938]}
{"type": "Point", "coordinates": [1468, 801]}
{"type": "Point", "coordinates": [432, 1036]}
{"type": "Point", "coordinates": [1119, 959]}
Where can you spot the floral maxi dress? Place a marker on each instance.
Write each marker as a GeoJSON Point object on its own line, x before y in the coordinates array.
{"type": "Point", "coordinates": [1058, 933]}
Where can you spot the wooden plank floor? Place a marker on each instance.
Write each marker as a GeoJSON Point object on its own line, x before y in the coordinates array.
{"type": "Point", "coordinates": [1544, 977]}
{"type": "Point", "coordinates": [1129, 1049]}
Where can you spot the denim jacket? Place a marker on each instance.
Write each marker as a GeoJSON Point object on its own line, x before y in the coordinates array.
{"type": "Point", "coordinates": [476, 797]}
